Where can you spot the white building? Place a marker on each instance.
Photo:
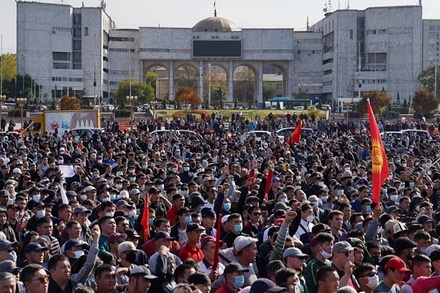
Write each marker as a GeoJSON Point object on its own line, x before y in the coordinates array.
{"type": "Point", "coordinates": [378, 48]}
{"type": "Point", "coordinates": [346, 53]}
{"type": "Point", "coordinates": [64, 48]}
{"type": "Point", "coordinates": [431, 42]}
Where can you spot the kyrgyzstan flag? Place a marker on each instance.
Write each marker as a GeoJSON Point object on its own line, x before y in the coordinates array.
{"type": "Point", "coordinates": [379, 157]}
{"type": "Point", "coordinates": [146, 217]}
{"type": "Point", "coordinates": [296, 135]}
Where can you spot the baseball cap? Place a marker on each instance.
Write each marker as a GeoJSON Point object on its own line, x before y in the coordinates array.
{"type": "Point", "coordinates": [9, 266]}
{"type": "Point", "coordinates": [234, 267]}
{"type": "Point", "coordinates": [207, 239]}
{"type": "Point", "coordinates": [34, 246]}
{"type": "Point", "coordinates": [207, 212]}
{"type": "Point", "coordinates": [281, 206]}
{"type": "Point", "coordinates": [134, 191]}
{"type": "Point", "coordinates": [393, 208]}
{"type": "Point", "coordinates": [142, 271]}
{"type": "Point", "coordinates": [16, 171]}
{"type": "Point", "coordinates": [194, 227]}
{"type": "Point", "coordinates": [241, 242]}
{"type": "Point", "coordinates": [225, 219]}
{"type": "Point", "coordinates": [432, 248]}
{"type": "Point", "coordinates": [262, 285]}
{"type": "Point", "coordinates": [115, 236]}
{"type": "Point", "coordinates": [73, 243]}
{"type": "Point", "coordinates": [163, 235]}
{"type": "Point", "coordinates": [89, 188]}
{"type": "Point", "coordinates": [398, 264]}
{"type": "Point", "coordinates": [424, 219]}
{"type": "Point", "coordinates": [342, 246]}
{"type": "Point", "coordinates": [131, 234]}
{"type": "Point", "coordinates": [6, 244]}
{"type": "Point", "coordinates": [295, 252]}
{"type": "Point", "coordinates": [81, 209]}
{"type": "Point", "coordinates": [122, 202]}
{"type": "Point", "coordinates": [404, 243]}
{"type": "Point", "coordinates": [435, 255]}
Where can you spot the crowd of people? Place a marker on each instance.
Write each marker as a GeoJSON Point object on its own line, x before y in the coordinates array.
{"type": "Point", "coordinates": [218, 210]}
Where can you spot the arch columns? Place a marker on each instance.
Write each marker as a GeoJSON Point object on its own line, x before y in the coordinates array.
{"type": "Point", "coordinates": [230, 97]}
{"type": "Point", "coordinates": [171, 81]}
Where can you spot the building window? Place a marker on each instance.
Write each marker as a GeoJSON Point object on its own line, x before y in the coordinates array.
{"type": "Point", "coordinates": [86, 31]}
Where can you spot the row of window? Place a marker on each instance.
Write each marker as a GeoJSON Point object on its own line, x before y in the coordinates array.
{"type": "Point", "coordinates": [61, 29]}
{"type": "Point", "coordinates": [121, 50]}
{"type": "Point", "coordinates": [70, 79]}
{"type": "Point", "coordinates": [373, 81]}
{"type": "Point", "coordinates": [434, 28]}
{"type": "Point", "coordinates": [121, 39]}
{"type": "Point", "coordinates": [154, 50]}
{"type": "Point", "coordinates": [327, 83]}
{"type": "Point", "coordinates": [376, 32]}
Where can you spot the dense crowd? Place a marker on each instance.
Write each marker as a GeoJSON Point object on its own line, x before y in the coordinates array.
{"type": "Point", "coordinates": [219, 210]}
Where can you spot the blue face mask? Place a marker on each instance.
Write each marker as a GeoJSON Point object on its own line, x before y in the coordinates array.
{"type": "Point", "coordinates": [238, 281]}
{"type": "Point", "coordinates": [368, 209]}
{"type": "Point", "coordinates": [227, 206]}
{"type": "Point", "coordinates": [238, 228]}
{"type": "Point", "coordinates": [187, 220]}
{"type": "Point", "coordinates": [151, 222]}
{"type": "Point", "coordinates": [186, 169]}
{"type": "Point", "coordinates": [340, 192]}
{"type": "Point", "coordinates": [315, 204]}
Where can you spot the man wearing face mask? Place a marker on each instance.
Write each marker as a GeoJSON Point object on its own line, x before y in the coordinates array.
{"type": "Point", "coordinates": [367, 278]}
{"type": "Point", "coordinates": [178, 231]}
{"type": "Point", "coordinates": [305, 226]}
{"type": "Point", "coordinates": [185, 175]}
{"type": "Point", "coordinates": [127, 256]}
{"type": "Point", "coordinates": [323, 248]}
{"type": "Point", "coordinates": [235, 224]}
{"type": "Point", "coordinates": [74, 249]}
{"type": "Point", "coordinates": [234, 277]}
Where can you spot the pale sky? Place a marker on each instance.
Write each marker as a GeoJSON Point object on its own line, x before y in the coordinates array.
{"type": "Point", "coordinates": [186, 13]}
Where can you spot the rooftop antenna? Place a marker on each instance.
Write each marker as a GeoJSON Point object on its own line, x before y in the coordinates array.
{"type": "Point", "coordinates": [307, 26]}
{"type": "Point", "coordinates": [348, 4]}
{"type": "Point", "coordinates": [215, 10]}
{"type": "Point", "coordinates": [330, 8]}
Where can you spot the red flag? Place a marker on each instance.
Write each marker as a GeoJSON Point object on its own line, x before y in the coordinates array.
{"type": "Point", "coordinates": [296, 134]}
{"type": "Point", "coordinates": [217, 242]}
{"type": "Point", "coordinates": [379, 158]}
{"type": "Point", "coordinates": [146, 217]}
{"type": "Point", "coordinates": [252, 178]}
{"type": "Point", "coordinates": [268, 184]}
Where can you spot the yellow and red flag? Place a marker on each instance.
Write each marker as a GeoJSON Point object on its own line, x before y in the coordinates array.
{"type": "Point", "coordinates": [378, 156]}
{"type": "Point", "coordinates": [296, 135]}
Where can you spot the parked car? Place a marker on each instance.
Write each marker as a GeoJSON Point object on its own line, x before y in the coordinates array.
{"type": "Point", "coordinates": [257, 134]}
{"type": "Point", "coordinates": [286, 132]}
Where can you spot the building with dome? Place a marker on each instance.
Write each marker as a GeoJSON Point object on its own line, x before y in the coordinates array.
{"type": "Point", "coordinates": [82, 52]}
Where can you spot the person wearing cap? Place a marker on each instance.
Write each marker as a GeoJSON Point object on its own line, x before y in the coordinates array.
{"type": "Point", "coordinates": [323, 247]}
{"type": "Point", "coordinates": [178, 203]}
{"type": "Point", "coordinates": [208, 221]}
{"type": "Point", "coordinates": [405, 249]}
{"type": "Point", "coordinates": [7, 250]}
{"type": "Point", "coordinates": [235, 226]}
{"type": "Point", "coordinates": [35, 253]}
{"type": "Point", "coordinates": [233, 278]}
{"type": "Point", "coordinates": [207, 245]}
{"type": "Point", "coordinates": [395, 270]}
{"type": "Point", "coordinates": [264, 285]}
{"type": "Point", "coordinates": [81, 214]}
{"type": "Point", "coordinates": [74, 249]}
{"type": "Point", "coordinates": [191, 248]}
{"type": "Point", "coordinates": [421, 267]}
{"type": "Point", "coordinates": [294, 259]}
{"type": "Point", "coordinates": [150, 246]}
{"type": "Point", "coordinates": [435, 261]}
{"type": "Point", "coordinates": [343, 262]}
{"type": "Point", "coordinates": [140, 280]}
{"type": "Point", "coordinates": [162, 259]}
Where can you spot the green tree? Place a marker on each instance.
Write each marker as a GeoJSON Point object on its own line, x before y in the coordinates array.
{"type": "Point", "coordinates": [244, 82]}
{"type": "Point", "coordinates": [427, 79]}
{"type": "Point", "coordinates": [151, 79]}
{"type": "Point", "coordinates": [268, 91]}
{"type": "Point", "coordinates": [143, 91]}
{"type": "Point", "coordinates": [8, 66]}
{"type": "Point", "coordinates": [425, 102]}
{"type": "Point", "coordinates": [379, 101]}
{"type": "Point", "coordinates": [301, 94]}
{"type": "Point", "coordinates": [21, 87]}
{"type": "Point", "coordinates": [405, 104]}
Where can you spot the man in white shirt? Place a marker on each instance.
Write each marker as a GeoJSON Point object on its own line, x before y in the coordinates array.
{"type": "Point", "coordinates": [305, 226]}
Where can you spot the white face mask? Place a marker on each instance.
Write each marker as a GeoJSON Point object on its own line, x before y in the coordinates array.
{"type": "Point", "coordinates": [109, 214]}
{"type": "Point", "coordinates": [373, 281]}
{"type": "Point", "coordinates": [325, 254]}
{"type": "Point", "coordinates": [324, 199]}
{"type": "Point", "coordinates": [394, 197]}
{"type": "Point", "coordinates": [118, 186]}
{"type": "Point", "coordinates": [40, 214]}
{"type": "Point", "coordinates": [183, 192]}
{"type": "Point", "coordinates": [161, 187]}
{"type": "Point", "coordinates": [83, 197]}
{"type": "Point", "coordinates": [36, 197]}
{"type": "Point", "coordinates": [309, 218]}
{"type": "Point", "coordinates": [78, 254]}
{"type": "Point", "coordinates": [132, 214]}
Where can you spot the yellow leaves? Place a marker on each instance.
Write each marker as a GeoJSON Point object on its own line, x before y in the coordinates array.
{"type": "Point", "coordinates": [70, 103]}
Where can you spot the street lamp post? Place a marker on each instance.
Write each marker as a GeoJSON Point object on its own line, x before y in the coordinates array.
{"type": "Point", "coordinates": [21, 102]}
{"type": "Point", "coordinates": [2, 100]}
{"type": "Point", "coordinates": [131, 100]}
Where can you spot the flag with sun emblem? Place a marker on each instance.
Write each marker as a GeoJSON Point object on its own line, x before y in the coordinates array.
{"type": "Point", "coordinates": [378, 156]}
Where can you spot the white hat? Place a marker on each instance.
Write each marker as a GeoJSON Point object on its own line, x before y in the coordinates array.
{"type": "Point", "coordinates": [16, 171]}
{"type": "Point", "coordinates": [225, 218]}
{"type": "Point", "coordinates": [241, 242]}
{"type": "Point", "coordinates": [89, 188]}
